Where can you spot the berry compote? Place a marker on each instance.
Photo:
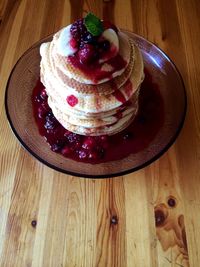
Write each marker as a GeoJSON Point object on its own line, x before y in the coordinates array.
{"type": "Point", "coordinates": [92, 51]}
{"type": "Point", "coordinates": [97, 149]}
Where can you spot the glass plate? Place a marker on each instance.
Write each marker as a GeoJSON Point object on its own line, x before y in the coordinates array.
{"type": "Point", "coordinates": [19, 112]}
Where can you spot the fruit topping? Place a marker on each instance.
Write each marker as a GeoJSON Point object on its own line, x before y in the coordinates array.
{"type": "Point", "coordinates": [89, 143]}
{"type": "Point", "coordinates": [93, 155]}
{"type": "Point", "coordinates": [93, 39]}
{"type": "Point", "coordinates": [50, 123]}
{"type": "Point", "coordinates": [78, 30]}
{"type": "Point", "coordinates": [66, 150]}
{"type": "Point", "coordinates": [72, 137]}
{"type": "Point", "coordinates": [72, 100]}
{"type": "Point", "coordinates": [89, 39]}
{"type": "Point", "coordinates": [97, 149]}
{"type": "Point", "coordinates": [56, 147]}
{"type": "Point", "coordinates": [87, 54]}
{"type": "Point", "coordinates": [105, 45]}
{"type": "Point", "coordinates": [82, 154]}
{"type": "Point", "coordinates": [73, 42]}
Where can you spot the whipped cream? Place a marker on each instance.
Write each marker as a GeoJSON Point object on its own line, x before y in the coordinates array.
{"type": "Point", "coordinates": [63, 43]}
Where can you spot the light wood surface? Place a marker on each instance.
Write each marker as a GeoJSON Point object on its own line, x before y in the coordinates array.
{"type": "Point", "coordinates": [51, 219]}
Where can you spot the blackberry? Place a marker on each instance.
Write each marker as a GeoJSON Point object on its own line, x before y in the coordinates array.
{"type": "Point", "coordinates": [82, 154]}
{"type": "Point", "coordinates": [72, 137]}
{"type": "Point", "coordinates": [88, 38]}
{"type": "Point", "coordinates": [49, 125]}
{"type": "Point", "coordinates": [51, 121]}
{"type": "Point", "coordinates": [78, 29]}
{"type": "Point", "coordinates": [55, 147]}
{"type": "Point", "coordinates": [105, 45]}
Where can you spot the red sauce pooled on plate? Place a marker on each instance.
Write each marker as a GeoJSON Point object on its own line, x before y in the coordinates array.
{"type": "Point", "coordinates": [99, 149]}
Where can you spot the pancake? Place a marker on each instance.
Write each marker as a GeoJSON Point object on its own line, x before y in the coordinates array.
{"type": "Point", "coordinates": [105, 88]}
{"type": "Point", "coordinates": [82, 106]}
{"type": "Point", "coordinates": [72, 72]}
{"type": "Point", "coordinates": [88, 122]}
{"type": "Point", "coordinates": [111, 129]}
{"type": "Point", "coordinates": [92, 103]}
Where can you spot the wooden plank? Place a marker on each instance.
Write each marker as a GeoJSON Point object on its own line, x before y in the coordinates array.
{"type": "Point", "coordinates": [52, 219]}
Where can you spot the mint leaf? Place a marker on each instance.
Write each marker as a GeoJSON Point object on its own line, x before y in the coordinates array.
{"type": "Point", "coordinates": [93, 24]}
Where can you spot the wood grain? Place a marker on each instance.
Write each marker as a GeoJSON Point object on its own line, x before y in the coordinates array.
{"type": "Point", "coordinates": [52, 219]}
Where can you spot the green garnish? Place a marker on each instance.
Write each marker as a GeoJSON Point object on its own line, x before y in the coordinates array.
{"type": "Point", "coordinates": [93, 24]}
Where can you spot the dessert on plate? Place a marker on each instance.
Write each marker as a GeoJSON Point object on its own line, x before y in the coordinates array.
{"type": "Point", "coordinates": [92, 73]}
{"type": "Point", "coordinates": [91, 102]}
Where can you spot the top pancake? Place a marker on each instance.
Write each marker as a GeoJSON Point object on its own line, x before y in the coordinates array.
{"type": "Point", "coordinates": [76, 75]}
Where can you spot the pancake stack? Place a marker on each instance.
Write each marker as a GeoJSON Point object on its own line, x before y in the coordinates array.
{"type": "Point", "coordinates": [99, 98]}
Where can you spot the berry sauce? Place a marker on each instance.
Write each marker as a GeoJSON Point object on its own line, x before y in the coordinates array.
{"type": "Point", "coordinates": [94, 71]}
{"type": "Point", "coordinates": [119, 96]}
{"type": "Point", "coordinates": [104, 148]}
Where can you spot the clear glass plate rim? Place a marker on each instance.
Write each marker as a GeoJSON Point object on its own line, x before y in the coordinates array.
{"type": "Point", "coordinates": [123, 172]}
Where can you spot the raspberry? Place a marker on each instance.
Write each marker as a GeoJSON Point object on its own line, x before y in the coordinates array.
{"type": "Point", "coordinates": [87, 54]}
{"type": "Point", "coordinates": [93, 155]}
{"type": "Point", "coordinates": [89, 143]}
{"type": "Point", "coordinates": [73, 43]}
{"type": "Point", "coordinates": [66, 150]}
{"type": "Point", "coordinates": [72, 100]}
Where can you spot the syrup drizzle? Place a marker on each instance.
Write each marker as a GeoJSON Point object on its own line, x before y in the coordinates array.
{"type": "Point", "coordinates": [119, 96]}
{"type": "Point", "coordinates": [128, 88]}
{"type": "Point", "coordinates": [94, 71]}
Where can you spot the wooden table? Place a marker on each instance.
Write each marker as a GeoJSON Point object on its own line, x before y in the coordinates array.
{"type": "Point", "coordinates": [51, 219]}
